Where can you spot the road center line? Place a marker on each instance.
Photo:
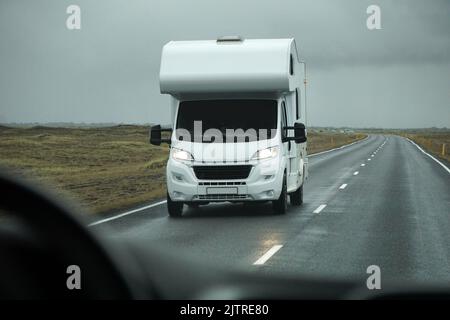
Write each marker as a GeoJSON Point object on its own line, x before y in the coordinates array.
{"type": "Point", "coordinates": [320, 208]}
{"type": "Point", "coordinates": [343, 186]}
{"type": "Point", "coordinates": [266, 256]}
{"type": "Point", "coordinates": [355, 173]}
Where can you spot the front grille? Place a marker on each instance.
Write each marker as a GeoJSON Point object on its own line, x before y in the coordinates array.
{"type": "Point", "coordinates": [223, 183]}
{"type": "Point", "coordinates": [222, 197]}
{"type": "Point", "coordinates": [222, 172]}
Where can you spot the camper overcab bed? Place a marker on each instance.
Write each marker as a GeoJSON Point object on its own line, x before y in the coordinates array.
{"type": "Point", "coordinates": [238, 112]}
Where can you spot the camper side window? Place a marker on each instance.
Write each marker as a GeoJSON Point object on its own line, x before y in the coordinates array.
{"type": "Point", "coordinates": [297, 104]}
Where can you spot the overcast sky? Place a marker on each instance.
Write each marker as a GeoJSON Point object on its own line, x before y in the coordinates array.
{"type": "Point", "coordinates": [398, 76]}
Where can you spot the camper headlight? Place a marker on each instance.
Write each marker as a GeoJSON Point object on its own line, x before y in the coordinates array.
{"type": "Point", "coordinates": [182, 155]}
{"type": "Point", "coordinates": [268, 153]}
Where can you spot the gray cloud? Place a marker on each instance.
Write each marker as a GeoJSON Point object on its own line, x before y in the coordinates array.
{"type": "Point", "coordinates": [108, 71]}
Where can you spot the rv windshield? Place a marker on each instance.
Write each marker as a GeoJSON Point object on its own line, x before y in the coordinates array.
{"type": "Point", "coordinates": [226, 120]}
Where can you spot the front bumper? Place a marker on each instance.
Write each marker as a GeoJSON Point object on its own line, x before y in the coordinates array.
{"type": "Point", "coordinates": [263, 183]}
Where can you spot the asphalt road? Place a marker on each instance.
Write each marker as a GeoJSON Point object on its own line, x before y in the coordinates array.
{"type": "Point", "coordinates": [377, 202]}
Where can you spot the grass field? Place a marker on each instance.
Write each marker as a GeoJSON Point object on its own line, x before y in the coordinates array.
{"type": "Point", "coordinates": [324, 140]}
{"type": "Point", "coordinates": [104, 168]}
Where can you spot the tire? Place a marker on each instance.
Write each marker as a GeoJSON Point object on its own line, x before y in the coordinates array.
{"type": "Point", "coordinates": [280, 205]}
{"type": "Point", "coordinates": [175, 209]}
{"type": "Point", "coordinates": [297, 196]}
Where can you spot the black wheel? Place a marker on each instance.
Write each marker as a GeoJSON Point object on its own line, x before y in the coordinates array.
{"type": "Point", "coordinates": [297, 196]}
{"type": "Point", "coordinates": [280, 205]}
{"type": "Point", "coordinates": [175, 209]}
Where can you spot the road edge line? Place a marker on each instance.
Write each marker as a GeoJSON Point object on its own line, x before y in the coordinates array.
{"type": "Point", "coordinates": [338, 148]}
{"type": "Point", "coordinates": [126, 213]}
{"type": "Point", "coordinates": [423, 151]}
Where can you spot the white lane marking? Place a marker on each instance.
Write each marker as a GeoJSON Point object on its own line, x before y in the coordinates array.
{"type": "Point", "coordinates": [343, 186]}
{"type": "Point", "coordinates": [355, 173]}
{"type": "Point", "coordinates": [127, 213]}
{"type": "Point", "coordinates": [363, 164]}
{"type": "Point", "coordinates": [424, 152]}
{"type": "Point", "coordinates": [372, 155]}
{"type": "Point", "coordinates": [369, 159]}
{"type": "Point", "coordinates": [268, 254]}
{"type": "Point", "coordinates": [341, 147]}
{"type": "Point", "coordinates": [320, 208]}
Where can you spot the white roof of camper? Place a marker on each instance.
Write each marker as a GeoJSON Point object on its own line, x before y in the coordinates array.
{"type": "Point", "coordinates": [215, 66]}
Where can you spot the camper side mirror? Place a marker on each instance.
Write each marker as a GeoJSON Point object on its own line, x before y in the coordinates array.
{"type": "Point", "coordinates": [299, 132]}
{"type": "Point", "coordinates": [155, 135]}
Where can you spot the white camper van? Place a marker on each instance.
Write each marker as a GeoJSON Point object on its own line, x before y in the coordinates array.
{"type": "Point", "coordinates": [238, 134]}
